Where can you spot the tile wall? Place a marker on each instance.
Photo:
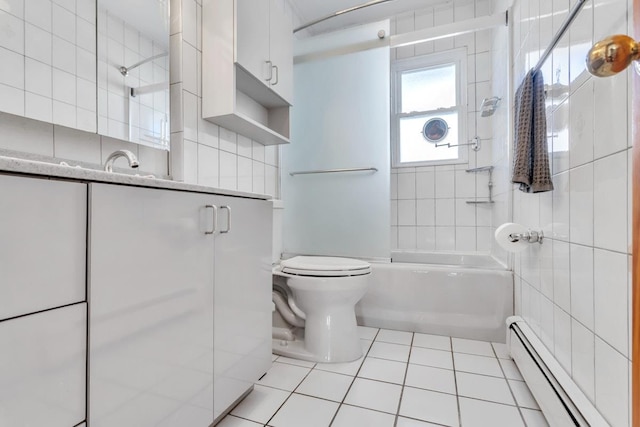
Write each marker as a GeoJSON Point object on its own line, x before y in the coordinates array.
{"type": "Point", "coordinates": [202, 152]}
{"type": "Point", "coordinates": [574, 289]}
{"type": "Point", "coordinates": [47, 52]}
{"type": "Point", "coordinates": [428, 209]}
{"type": "Point", "coordinates": [144, 118]}
{"type": "Point", "coordinates": [32, 139]}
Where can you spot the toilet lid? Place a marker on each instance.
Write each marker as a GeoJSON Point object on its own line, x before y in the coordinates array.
{"type": "Point", "coordinates": [325, 266]}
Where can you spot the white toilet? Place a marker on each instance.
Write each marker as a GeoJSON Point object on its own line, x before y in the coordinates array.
{"type": "Point", "coordinates": [319, 293]}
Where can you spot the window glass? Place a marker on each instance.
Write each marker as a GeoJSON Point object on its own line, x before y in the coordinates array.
{"type": "Point", "coordinates": [425, 88]}
{"type": "Point", "coordinates": [428, 89]}
{"type": "Point", "coordinates": [415, 148]}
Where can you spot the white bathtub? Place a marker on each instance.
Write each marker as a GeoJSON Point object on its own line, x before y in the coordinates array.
{"type": "Point", "coordinates": [443, 297]}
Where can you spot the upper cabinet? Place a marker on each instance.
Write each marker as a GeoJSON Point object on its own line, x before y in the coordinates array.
{"type": "Point", "coordinates": [247, 74]}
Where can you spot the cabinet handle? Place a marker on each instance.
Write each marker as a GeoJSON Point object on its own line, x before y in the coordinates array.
{"type": "Point", "coordinates": [270, 70]}
{"type": "Point", "coordinates": [228, 208]}
{"type": "Point", "coordinates": [277, 75]}
{"type": "Point", "coordinates": [215, 218]}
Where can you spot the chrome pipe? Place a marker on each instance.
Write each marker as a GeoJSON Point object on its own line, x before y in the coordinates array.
{"type": "Point", "coordinates": [333, 171]}
{"type": "Point", "coordinates": [125, 70]}
{"type": "Point", "coordinates": [340, 12]}
{"type": "Point", "coordinates": [563, 29]}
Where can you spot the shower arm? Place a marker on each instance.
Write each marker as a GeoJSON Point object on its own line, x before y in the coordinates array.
{"type": "Point", "coordinates": [475, 144]}
{"type": "Point", "coordinates": [125, 70]}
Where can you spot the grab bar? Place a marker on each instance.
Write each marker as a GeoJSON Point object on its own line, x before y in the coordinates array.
{"type": "Point", "coordinates": [334, 171]}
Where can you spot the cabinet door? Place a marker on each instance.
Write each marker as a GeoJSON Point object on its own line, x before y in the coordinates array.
{"type": "Point", "coordinates": [151, 302]}
{"type": "Point", "coordinates": [252, 37]}
{"type": "Point", "coordinates": [281, 51]}
{"type": "Point", "coordinates": [43, 368]}
{"type": "Point", "coordinates": [242, 322]}
{"type": "Point", "coordinates": [43, 227]}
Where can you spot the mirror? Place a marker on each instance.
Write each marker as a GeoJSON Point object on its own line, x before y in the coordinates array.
{"type": "Point", "coordinates": [435, 130]}
{"type": "Point", "coordinates": [133, 71]}
{"type": "Point", "coordinates": [48, 57]}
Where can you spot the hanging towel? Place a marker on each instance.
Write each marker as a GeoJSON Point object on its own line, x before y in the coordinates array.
{"type": "Point", "coordinates": [531, 158]}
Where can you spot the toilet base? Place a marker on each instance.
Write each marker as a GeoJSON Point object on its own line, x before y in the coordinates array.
{"type": "Point", "coordinates": [296, 349]}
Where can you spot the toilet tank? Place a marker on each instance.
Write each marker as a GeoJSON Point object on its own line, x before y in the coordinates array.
{"type": "Point", "coordinates": [278, 207]}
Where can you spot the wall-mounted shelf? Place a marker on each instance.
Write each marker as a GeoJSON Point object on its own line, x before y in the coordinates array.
{"type": "Point", "coordinates": [246, 80]}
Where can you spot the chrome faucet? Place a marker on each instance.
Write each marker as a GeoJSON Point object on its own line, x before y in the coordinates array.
{"type": "Point", "coordinates": [131, 158]}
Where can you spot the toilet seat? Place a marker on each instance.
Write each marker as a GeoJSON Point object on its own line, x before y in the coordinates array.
{"type": "Point", "coordinates": [315, 266]}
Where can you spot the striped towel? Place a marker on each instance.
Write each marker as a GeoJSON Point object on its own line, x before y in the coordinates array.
{"type": "Point", "coordinates": [530, 155]}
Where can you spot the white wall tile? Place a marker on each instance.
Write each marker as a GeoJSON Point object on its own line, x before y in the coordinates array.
{"type": "Point", "coordinates": [245, 146]}
{"type": "Point", "coordinates": [425, 184]}
{"type": "Point", "coordinates": [64, 23]}
{"type": "Point", "coordinates": [582, 292]}
{"type": "Point", "coordinates": [12, 36]}
{"type": "Point", "coordinates": [38, 107]}
{"type": "Point", "coordinates": [208, 169]}
{"type": "Point", "coordinates": [245, 174]}
{"type": "Point", "coordinates": [445, 184]}
{"type": "Point", "coordinates": [72, 144]}
{"type": "Point", "coordinates": [445, 212]}
{"type": "Point", "coordinates": [612, 384]}
{"type": "Point", "coordinates": [610, 190]}
{"type": "Point", "coordinates": [407, 186]}
{"type": "Point", "coordinates": [445, 238]}
{"type": "Point", "coordinates": [228, 171]}
{"type": "Point", "coordinates": [258, 177]}
{"type": "Point", "coordinates": [407, 238]}
{"type": "Point", "coordinates": [271, 184]}
{"type": "Point", "coordinates": [611, 299]}
{"type": "Point", "coordinates": [581, 204]}
{"type": "Point", "coordinates": [38, 12]}
{"type": "Point", "coordinates": [562, 275]}
{"type": "Point", "coordinates": [406, 212]}
{"type": "Point", "coordinates": [426, 238]}
{"type": "Point", "coordinates": [562, 338]}
{"type": "Point", "coordinates": [38, 43]}
{"type": "Point", "coordinates": [12, 70]}
{"type": "Point", "coordinates": [583, 358]}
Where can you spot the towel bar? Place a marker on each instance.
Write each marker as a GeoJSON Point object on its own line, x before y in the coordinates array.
{"type": "Point", "coordinates": [333, 171]}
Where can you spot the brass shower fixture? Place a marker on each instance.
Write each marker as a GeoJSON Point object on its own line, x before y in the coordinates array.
{"type": "Point", "coordinates": [612, 55]}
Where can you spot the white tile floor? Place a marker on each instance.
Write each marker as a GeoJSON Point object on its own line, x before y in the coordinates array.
{"type": "Point", "coordinates": [404, 380]}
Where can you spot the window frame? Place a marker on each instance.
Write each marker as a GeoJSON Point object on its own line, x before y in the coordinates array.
{"type": "Point", "coordinates": [458, 57]}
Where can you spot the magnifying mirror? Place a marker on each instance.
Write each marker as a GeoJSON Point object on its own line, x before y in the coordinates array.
{"type": "Point", "coordinates": [435, 130]}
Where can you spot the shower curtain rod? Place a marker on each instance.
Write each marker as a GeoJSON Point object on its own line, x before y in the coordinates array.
{"type": "Point", "coordinates": [563, 29]}
{"type": "Point", "coordinates": [340, 12]}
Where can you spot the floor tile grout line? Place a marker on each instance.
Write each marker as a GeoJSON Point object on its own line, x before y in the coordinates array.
{"type": "Point", "coordinates": [364, 357]}
{"type": "Point", "coordinates": [513, 396]}
{"type": "Point", "coordinates": [404, 381]}
{"type": "Point", "coordinates": [290, 394]}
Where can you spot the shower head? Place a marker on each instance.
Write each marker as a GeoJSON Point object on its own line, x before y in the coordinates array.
{"type": "Point", "coordinates": [489, 106]}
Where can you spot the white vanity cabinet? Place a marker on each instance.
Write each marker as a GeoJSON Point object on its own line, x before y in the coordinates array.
{"type": "Point", "coordinates": [151, 307]}
{"type": "Point", "coordinates": [247, 68]}
{"type": "Point", "coordinates": [242, 298]}
{"type": "Point", "coordinates": [43, 227]}
{"type": "Point", "coordinates": [180, 304]}
{"type": "Point", "coordinates": [43, 368]}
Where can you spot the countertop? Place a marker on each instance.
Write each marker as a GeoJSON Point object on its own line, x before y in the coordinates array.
{"type": "Point", "coordinates": [45, 169]}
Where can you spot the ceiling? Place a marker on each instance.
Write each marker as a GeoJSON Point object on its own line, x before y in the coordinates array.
{"type": "Point", "coordinates": [309, 10]}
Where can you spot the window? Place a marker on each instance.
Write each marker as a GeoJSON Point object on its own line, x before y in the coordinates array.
{"type": "Point", "coordinates": [429, 92]}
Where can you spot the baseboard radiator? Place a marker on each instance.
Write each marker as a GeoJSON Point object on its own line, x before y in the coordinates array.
{"type": "Point", "coordinates": [561, 400]}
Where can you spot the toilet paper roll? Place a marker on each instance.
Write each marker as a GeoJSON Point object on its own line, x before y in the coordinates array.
{"type": "Point", "coordinates": [502, 237]}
